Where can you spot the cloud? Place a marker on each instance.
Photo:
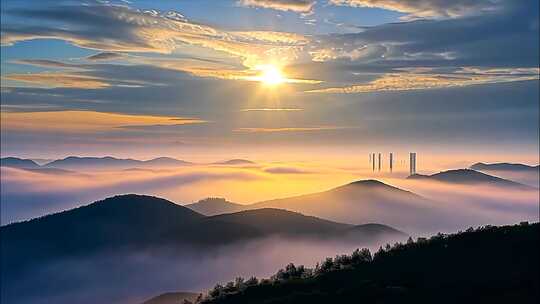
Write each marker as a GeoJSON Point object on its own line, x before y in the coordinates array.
{"type": "Point", "coordinates": [285, 170]}
{"type": "Point", "coordinates": [288, 129]}
{"type": "Point", "coordinates": [298, 6]}
{"type": "Point", "coordinates": [60, 80]}
{"type": "Point", "coordinates": [234, 55]}
{"type": "Point", "coordinates": [89, 26]}
{"type": "Point", "coordinates": [418, 81]}
{"type": "Point", "coordinates": [134, 276]}
{"type": "Point", "coordinates": [105, 56]}
{"type": "Point", "coordinates": [83, 121]}
{"type": "Point", "coordinates": [27, 194]}
{"type": "Point", "coordinates": [486, 40]}
{"type": "Point", "coordinates": [271, 110]}
{"type": "Point", "coordinates": [424, 64]}
{"type": "Point", "coordinates": [46, 63]}
{"type": "Point", "coordinates": [452, 51]}
{"type": "Point", "coordinates": [80, 76]}
{"type": "Point", "coordinates": [427, 8]}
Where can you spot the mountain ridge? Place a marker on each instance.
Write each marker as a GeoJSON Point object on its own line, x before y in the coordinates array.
{"type": "Point", "coordinates": [359, 202]}
{"type": "Point", "coordinates": [214, 206]}
{"type": "Point", "coordinates": [504, 167]}
{"type": "Point", "coordinates": [468, 177]}
{"type": "Point", "coordinates": [140, 222]}
{"type": "Point", "coordinates": [73, 162]}
{"type": "Point", "coordinates": [21, 163]}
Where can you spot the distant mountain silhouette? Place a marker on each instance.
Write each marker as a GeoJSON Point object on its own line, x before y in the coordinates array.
{"type": "Point", "coordinates": [108, 162]}
{"type": "Point", "coordinates": [469, 177]}
{"type": "Point", "coordinates": [236, 161]}
{"type": "Point", "coordinates": [524, 174]}
{"type": "Point", "coordinates": [165, 162]}
{"type": "Point", "coordinates": [487, 265]}
{"type": "Point", "coordinates": [75, 162]}
{"type": "Point", "coordinates": [42, 161]}
{"type": "Point", "coordinates": [214, 206]}
{"type": "Point", "coordinates": [282, 222]}
{"type": "Point", "coordinates": [172, 298]}
{"type": "Point", "coordinates": [360, 202]}
{"type": "Point", "coordinates": [504, 167]}
{"type": "Point", "coordinates": [279, 221]}
{"type": "Point", "coordinates": [137, 222]}
{"type": "Point", "coordinates": [20, 163]}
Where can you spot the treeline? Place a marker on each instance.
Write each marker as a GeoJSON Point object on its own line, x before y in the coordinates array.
{"type": "Point", "coordinates": [461, 258]}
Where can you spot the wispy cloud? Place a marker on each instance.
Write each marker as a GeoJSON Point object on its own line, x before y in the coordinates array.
{"type": "Point", "coordinates": [299, 6]}
{"type": "Point", "coordinates": [81, 76]}
{"type": "Point", "coordinates": [285, 170]}
{"type": "Point", "coordinates": [288, 129]}
{"type": "Point", "coordinates": [384, 48]}
{"type": "Point", "coordinates": [406, 81]}
{"type": "Point", "coordinates": [426, 8]}
{"type": "Point", "coordinates": [60, 80]}
{"type": "Point", "coordinates": [148, 31]}
{"type": "Point", "coordinates": [105, 56]}
{"type": "Point", "coordinates": [271, 110]}
{"type": "Point", "coordinates": [83, 121]}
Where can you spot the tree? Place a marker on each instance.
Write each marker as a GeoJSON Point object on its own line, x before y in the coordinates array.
{"type": "Point", "coordinates": [327, 265]}
{"type": "Point", "coordinates": [252, 281]}
{"type": "Point", "coordinates": [216, 292]}
{"type": "Point", "coordinates": [361, 256]}
{"type": "Point", "coordinates": [230, 287]}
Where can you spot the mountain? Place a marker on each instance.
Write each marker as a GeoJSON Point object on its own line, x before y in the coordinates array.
{"type": "Point", "coordinates": [20, 163]}
{"type": "Point", "coordinates": [138, 222]}
{"type": "Point", "coordinates": [42, 161]}
{"type": "Point", "coordinates": [363, 201]}
{"type": "Point", "coordinates": [282, 222]}
{"type": "Point", "coordinates": [487, 265]}
{"type": "Point", "coordinates": [136, 243]}
{"type": "Point", "coordinates": [108, 162]}
{"type": "Point", "coordinates": [235, 162]}
{"type": "Point", "coordinates": [469, 177]}
{"type": "Point", "coordinates": [278, 221]}
{"type": "Point", "coordinates": [524, 174]}
{"type": "Point", "coordinates": [126, 221]}
{"type": "Point", "coordinates": [214, 206]}
{"type": "Point", "coordinates": [166, 162]}
{"type": "Point", "coordinates": [172, 298]}
{"type": "Point", "coordinates": [75, 162]}
{"type": "Point", "coordinates": [504, 167]}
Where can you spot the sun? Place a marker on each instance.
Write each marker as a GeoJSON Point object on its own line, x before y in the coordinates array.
{"type": "Point", "coordinates": [271, 75]}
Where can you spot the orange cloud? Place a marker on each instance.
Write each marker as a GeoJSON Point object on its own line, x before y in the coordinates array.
{"type": "Point", "coordinates": [271, 110]}
{"type": "Point", "coordinates": [61, 80]}
{"type": "Point", "coordinates": [289, 129]}
{"type": "Point", "coordinates": [299, 6]}
{"type": "Point", "coordinates": [425, 8]}
{"type": "Point", "coordinates": [83, 121]}
{"type": "Point", "coordinates": [406, 82]}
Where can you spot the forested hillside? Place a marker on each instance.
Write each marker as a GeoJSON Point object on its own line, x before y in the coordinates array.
{"type": "Point", "coordinates": [486, 265]}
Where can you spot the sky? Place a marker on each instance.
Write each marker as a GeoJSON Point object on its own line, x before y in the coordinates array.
{"type": "Point", "coordinates": [270, 79]}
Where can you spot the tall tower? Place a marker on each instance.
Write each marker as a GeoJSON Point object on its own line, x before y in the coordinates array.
{"type": "Point", "coordinates": [379, 161]}
{"type": "Point", "coordinates": [412, 163]}
{"type": "Point", "coordinates": [391, 161]}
